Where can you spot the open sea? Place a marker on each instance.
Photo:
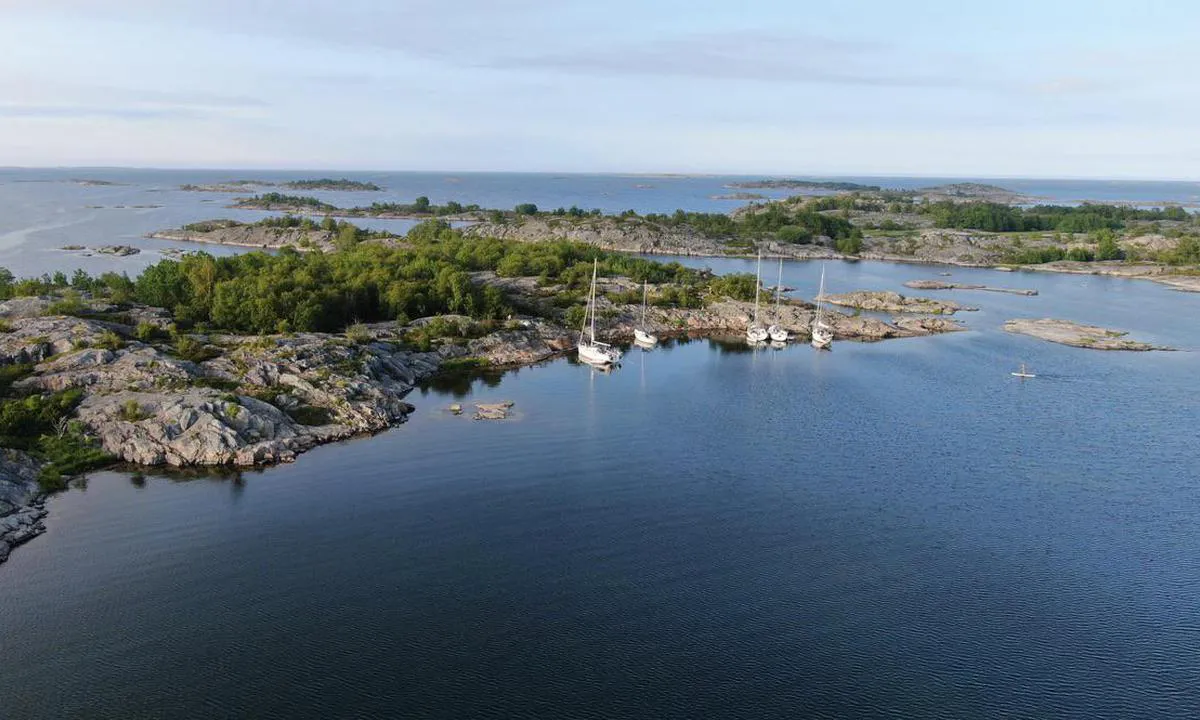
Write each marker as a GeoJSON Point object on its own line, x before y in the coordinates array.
{"type": "Point", "coordinates": [888, 530]}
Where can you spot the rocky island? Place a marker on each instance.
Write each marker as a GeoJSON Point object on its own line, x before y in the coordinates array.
{"type": "Point", "coordinates": [891, 302]}
{"type": "Point", "coordinates": [940, 285]}
{"type": "Point", "coordinates": [241, 186]}
{"type": "Point", "coordinates": [1075, 334]}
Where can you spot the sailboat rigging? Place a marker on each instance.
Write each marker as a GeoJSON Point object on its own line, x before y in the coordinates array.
{"type": "Point", "coordinates": [592, 350]}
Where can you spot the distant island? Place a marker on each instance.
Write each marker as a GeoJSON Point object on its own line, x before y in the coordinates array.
{"type": "Point", "coordinates": [420, 208]}
{"type": "Point", "coordinates": [229, 186]}
{"type": "Point", "coordinates": [973, 191]}
{"type": "Point", "coordinates": [330, 184]}
{"type": "Point", "coordinates": [837, 186]}
{"type": "Point", "coordinates": [238, 186]}
{"type": "Point", "coordinates": [738, 196]}
{"type": "Point", "coordinates": [86, 182]}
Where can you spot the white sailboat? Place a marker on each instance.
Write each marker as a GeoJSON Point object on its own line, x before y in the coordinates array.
{"type": "Point", "coordinates": [1023, 373]}
{"type": "Point", "coordinates": [822, 333]}
{"type": "Point", "coordinates": [756, 333]}
{"type": "Point", "coordinates": [592, 350]}
{"type": "Point", "coordinates": [775, 332]}
{"type": "Point", "coordinates": [641, 336]}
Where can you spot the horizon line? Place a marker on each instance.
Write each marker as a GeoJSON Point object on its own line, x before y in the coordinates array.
{"type": "Point", "coordinates": [839, 175]}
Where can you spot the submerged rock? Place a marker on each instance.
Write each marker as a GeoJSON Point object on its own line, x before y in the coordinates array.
{"type": "Point", "coordinates": [493, 411]}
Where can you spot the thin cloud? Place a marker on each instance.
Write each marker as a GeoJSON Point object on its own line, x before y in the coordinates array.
{"type": "Point", "coordinates": [74, 112]}
{"type": "Point", "coordinates": [742, 55]}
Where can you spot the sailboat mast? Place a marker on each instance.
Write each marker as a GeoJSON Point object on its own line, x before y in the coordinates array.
{"type": "Point", "coordinates": [778, 288]}
{"type": "Point", "coordinates": [757, 284]}
{"type": "Point", "coordinates": [595, 265]}
{"type": "Point", "coordinates": [821, 293]}
{"type": "Point", "coordinates": [645, 296]}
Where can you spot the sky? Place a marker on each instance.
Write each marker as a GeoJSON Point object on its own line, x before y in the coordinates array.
{"type": "Point", "coordinates": [1055, 88]}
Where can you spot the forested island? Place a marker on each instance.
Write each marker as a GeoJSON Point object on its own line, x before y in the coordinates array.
{"type": "Point", "coordinates": [342, 184]}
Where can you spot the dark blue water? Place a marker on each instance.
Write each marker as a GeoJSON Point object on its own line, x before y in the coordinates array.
{"type": "Point", "coordinates": [899, 529]}
{"type": "Point", "coordinates": [43, 210]}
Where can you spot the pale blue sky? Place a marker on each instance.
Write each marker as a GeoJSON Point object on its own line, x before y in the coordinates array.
{"type": "Point", "coordinates": [1021, 88]}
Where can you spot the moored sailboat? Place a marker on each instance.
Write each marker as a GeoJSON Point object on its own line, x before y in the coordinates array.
{"type": "Point", "coordinates": [756, 333]}
{"type": "Point", "coordinates": [592, 350]}
{"type": "Point", "coordinates": [822, 333]}
{"type": "Point", "coordinates": [641, 335]}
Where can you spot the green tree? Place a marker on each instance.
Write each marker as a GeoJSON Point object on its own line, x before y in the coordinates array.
{"type": "Point", "coordinates": [1106, 245]}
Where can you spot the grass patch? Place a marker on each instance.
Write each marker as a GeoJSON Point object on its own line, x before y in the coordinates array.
{"type": "Point", "coordinates": [194, 350]}
{"type": "Point", "coordinates": [132, 411]}
{"type": "Point", "coordinates": [10, 374]}
{"type": "Point", "coordinates": [216, 383]}
{"type": "Point", "coordinates": [109, 340]}
{"type": "Point", "coordinates": [69, 454]}
{"type": "Point", "coordinates": [464, 364]}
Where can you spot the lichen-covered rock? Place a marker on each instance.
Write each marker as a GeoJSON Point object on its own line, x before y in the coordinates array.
{"type": "Point", "coordinates": [197, 427]}
{"type": "Point", "coordinates": [533, 341]}
{"type": "Point", "coordinates": [138, 367]}
{"type": "Point", "coordinates": [34, 339]}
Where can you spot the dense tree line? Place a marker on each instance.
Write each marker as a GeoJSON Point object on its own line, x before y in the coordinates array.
{"type": "Point", "coordinates": [792, 225]}
{"type": "Point", "coordinates": [278, 199]}
{"type": "Point", "coordinates": [331, 184]}
{"type": "Point", "coordinates": [420, 206]}
{"type": "Point", "coordinates": [361, 282]}
{"type": "Point", "coordinates": [997, 217]}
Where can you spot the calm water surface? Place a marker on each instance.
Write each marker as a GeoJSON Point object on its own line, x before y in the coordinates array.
{"type": "Point", "coordinates": [890, 530]}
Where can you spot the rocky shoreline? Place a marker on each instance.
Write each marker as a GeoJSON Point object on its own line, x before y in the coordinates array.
{"type": "Point", "coordinates": [22, 505]}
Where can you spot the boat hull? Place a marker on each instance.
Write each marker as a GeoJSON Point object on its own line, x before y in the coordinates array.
{"type": "Point", "coordinates": [778, 334]}
{"type": "Point", "coordinates": [641, 337]}
{"type": "Point", "coordinates": [756, 334]}
{"type": "Point", "coordinates": [596, 354]}
{"type": "Point", "coordinates": [822, 338]}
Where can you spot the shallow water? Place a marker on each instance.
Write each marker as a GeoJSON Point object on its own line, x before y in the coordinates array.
{"type": "Point", "coordinates": [897, 529]}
